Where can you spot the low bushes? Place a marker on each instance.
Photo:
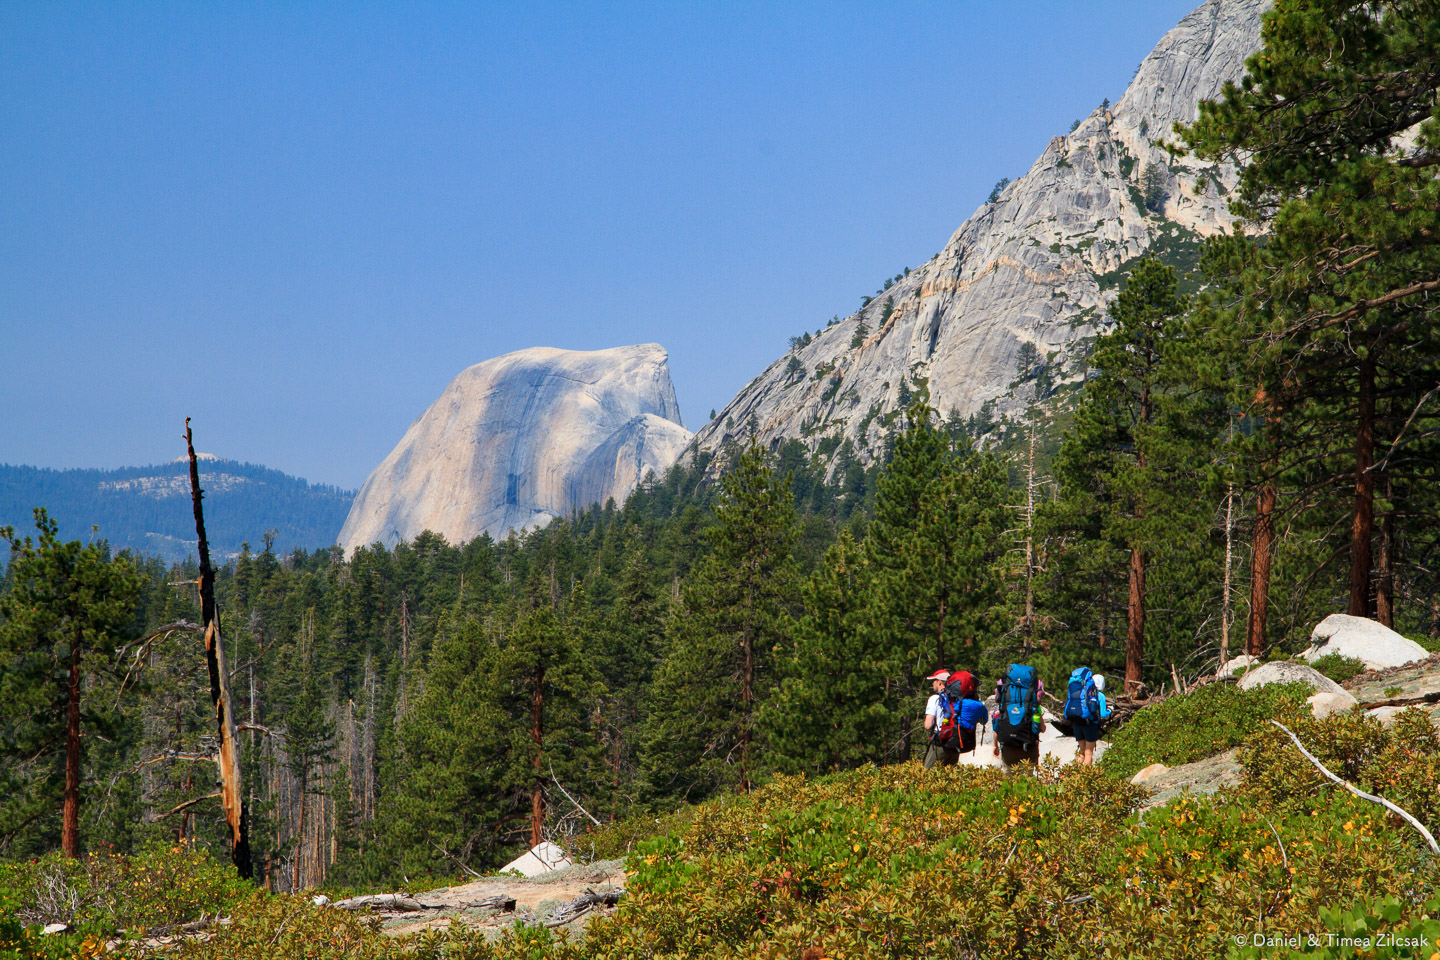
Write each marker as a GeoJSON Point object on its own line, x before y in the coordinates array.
{"type": "Point", "coordinates": [162, 884]}
{"type": "Point", "coordinates": [1211, 720]}
{"type": "Point", "coordinates": [1337, 667]}
{"type": "Point", "coordinates": [964, 862]}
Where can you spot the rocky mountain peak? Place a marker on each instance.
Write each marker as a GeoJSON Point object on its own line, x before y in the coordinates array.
{"type": "Point", "coordinates": [1027, 280]}
{"type": "Point", "coordinates": [514, 442]}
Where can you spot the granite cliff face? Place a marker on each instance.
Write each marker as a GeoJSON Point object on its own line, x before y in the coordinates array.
{"type": "Point", "coordinates": [519, 440]}
{"type": "Point", "coordinates": [1039, 265]}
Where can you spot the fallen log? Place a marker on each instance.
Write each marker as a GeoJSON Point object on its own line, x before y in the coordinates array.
{"type": "Point", "coordinates": [393, 902]}
{"type": "Point", "coordinates": [405, 903]}
{"type": "Point", "coordinates": [582, 905]}
{"type": "Point", "coordinates": [1410, 701]}
{"type": "Point", "coordinates": [503, 904]}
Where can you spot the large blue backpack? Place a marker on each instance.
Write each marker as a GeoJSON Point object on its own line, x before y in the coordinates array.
{"type": "Point", "coordinates": [1018, 703]}
{"type": "Point", "coordinates": [1082, 701]}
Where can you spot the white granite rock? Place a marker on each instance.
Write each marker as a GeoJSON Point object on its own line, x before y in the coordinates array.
{"type": "Point", "coordinates": [519, 440]}
{"type": "Point", "coordinates": [1282, 671]}
{"type": "Point", "coordinates": [1374, 644]}
{"type": "Point", "coordinates": [1038, 267]}
{"type": "Point", "coordinates": [1243, 662]}
{"type": "Point", "coordinates": [541, 858]}
{"type": "Point", "coordinates": [1323, 705]}
{"type": "Point", "coordinates": [1148, 773]}
{"type": "Point", "coordinates": [1385, 715]}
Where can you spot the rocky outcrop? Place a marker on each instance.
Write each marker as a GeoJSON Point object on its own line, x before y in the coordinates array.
{"type": "Point", "coordinates": [1284, 671]}
{"type": "Point", "coordinates": [1323, 705]}
{"type": "Point", "coordinates": [517, 441]}
{"type": "Point", "coordinates": [645, 444]}
{"type": "Point", "coordinates": [1359, 638]}
{"type": "Point", "coordinates": [1036, 268]}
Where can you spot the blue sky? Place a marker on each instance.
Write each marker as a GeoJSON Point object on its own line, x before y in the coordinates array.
{"type": "Point", "coordinates": [297, 222]}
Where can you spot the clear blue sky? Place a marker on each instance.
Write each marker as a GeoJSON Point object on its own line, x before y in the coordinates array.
{"type": "Point", "coordinates": [296, 222]}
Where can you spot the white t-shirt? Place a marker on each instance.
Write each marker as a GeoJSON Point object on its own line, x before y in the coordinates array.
{"type": "Point", "coordinates": [932, 708]}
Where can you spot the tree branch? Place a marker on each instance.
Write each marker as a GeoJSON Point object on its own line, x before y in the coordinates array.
{"type": "Point", "coordinates": [570, 798]}
{"type": "Point", "coordinates": [184, 806]}
{"type": "Point", "coordinates": [1350, 313]}
{"type": "Point", "coordinates": [1361, 793]}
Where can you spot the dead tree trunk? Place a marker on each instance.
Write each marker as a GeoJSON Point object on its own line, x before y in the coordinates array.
{"type": "Point", "coordinates": [232, 796]}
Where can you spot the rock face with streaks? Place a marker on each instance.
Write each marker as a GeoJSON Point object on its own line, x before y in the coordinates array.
{"type": "Point", "coordinates": [1035, 268]}
{"type": "Point", "coordinates": [519, 440]}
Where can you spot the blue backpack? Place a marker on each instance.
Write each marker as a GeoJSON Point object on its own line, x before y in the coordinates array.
{"type": "Point", "coordinates": [1082, 701]}
{"type": "Point", "coordinates": [1019, 703]}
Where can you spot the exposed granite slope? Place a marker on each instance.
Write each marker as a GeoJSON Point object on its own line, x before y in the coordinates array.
{"type": "Point", "coordinates": [519, 440]}
{"type": "Point", "coordinates": [1037, 266]}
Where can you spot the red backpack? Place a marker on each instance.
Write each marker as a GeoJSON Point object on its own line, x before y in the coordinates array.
{"type": "Point", "coordinates": [961, 686]}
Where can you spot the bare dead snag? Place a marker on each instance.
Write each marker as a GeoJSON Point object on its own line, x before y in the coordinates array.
{"type": "Point", "coordinates": [231, 794]}
{"type": "Point", "coordinates": [1358, 792]}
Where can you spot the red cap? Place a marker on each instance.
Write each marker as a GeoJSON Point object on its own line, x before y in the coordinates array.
{"type": "Point", "coordinates": [939, 675]}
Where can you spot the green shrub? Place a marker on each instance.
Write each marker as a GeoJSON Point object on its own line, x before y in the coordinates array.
{"type": "Point", "coordinates": [1211, 720]}
{"type": "Point", "coordinates": [1338, 668]}
{"type": "Point", "coordinates": [617, 840]}
{"type": "Point", "coordinates": [162, 884]}
{"type": "Point", "coordinates": [899, 862]}
{"type": "Point", "coordinates": [1400, 762]}
{"type": "Point", "coordinates": [1390, 927]}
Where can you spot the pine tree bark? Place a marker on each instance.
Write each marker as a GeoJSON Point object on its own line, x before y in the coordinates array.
{"type": "Point", "coordinates": [299, 841]}
{"type": "Point", "coordinates": [1225, 593]}
{"type": "Point", "coordinates": [1262, 541]}
{"type": "Point", "coordinates": [1362, 523]}
{"type": "Point", "coordinates": [537, 737]}
{"type": "Point", "coordinates": [1135, 624]}
{"type": "Point", "coordinates": [70, 818]}
{"type": "Point", "coordinates": [1261, 553]}
{"type": "Point", "coordinates": [1385, 564]}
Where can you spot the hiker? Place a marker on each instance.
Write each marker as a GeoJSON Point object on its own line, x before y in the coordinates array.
{"type": "Point", "coordinates": [935, 723]}
{"type": "Point", "coordinates": [1018, 720]}
{"type": "Point", "coordinates": [1085, 708]}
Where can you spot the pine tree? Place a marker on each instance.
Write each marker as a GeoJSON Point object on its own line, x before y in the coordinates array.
{"type": "Point", "coordinates": [69, 608]}
{"type": "Point", "coordinates": [1135, 469]}
{"type": "Point", "coordinates": [702, 734]}
{"type": "Point", "coordinates": [933, 550]}
{"type": "Point", "coordinates": [833, 708]}
{"type": "Point", "coordinates": [1345, 329]}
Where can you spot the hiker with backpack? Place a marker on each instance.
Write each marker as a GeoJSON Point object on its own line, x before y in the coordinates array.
{"type": "Point", "coordinates": [1085, 708]}
{"type": "Point", "coordinates": [951, 716]}
{"type": "Point", "coordinates": [939, 751]}
{"type": "Point", "coordinates": [1018, 721]}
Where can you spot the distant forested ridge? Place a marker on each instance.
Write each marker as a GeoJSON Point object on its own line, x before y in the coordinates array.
{"type": "Point", "coordinates": [147, 509]}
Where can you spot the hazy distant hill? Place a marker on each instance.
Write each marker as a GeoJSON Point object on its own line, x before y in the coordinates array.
{"type": "Point", "coordinates": [148, 508]}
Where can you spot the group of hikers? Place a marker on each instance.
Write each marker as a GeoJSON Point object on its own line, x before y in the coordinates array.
{"type": "Point", "coordinates": [955, 710]}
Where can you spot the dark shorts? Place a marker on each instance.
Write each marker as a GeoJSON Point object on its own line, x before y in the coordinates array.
{"type": "Point", "coordinates": [1086, 730]}
{"type": "Point", "coordinates": [1012, 755]}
